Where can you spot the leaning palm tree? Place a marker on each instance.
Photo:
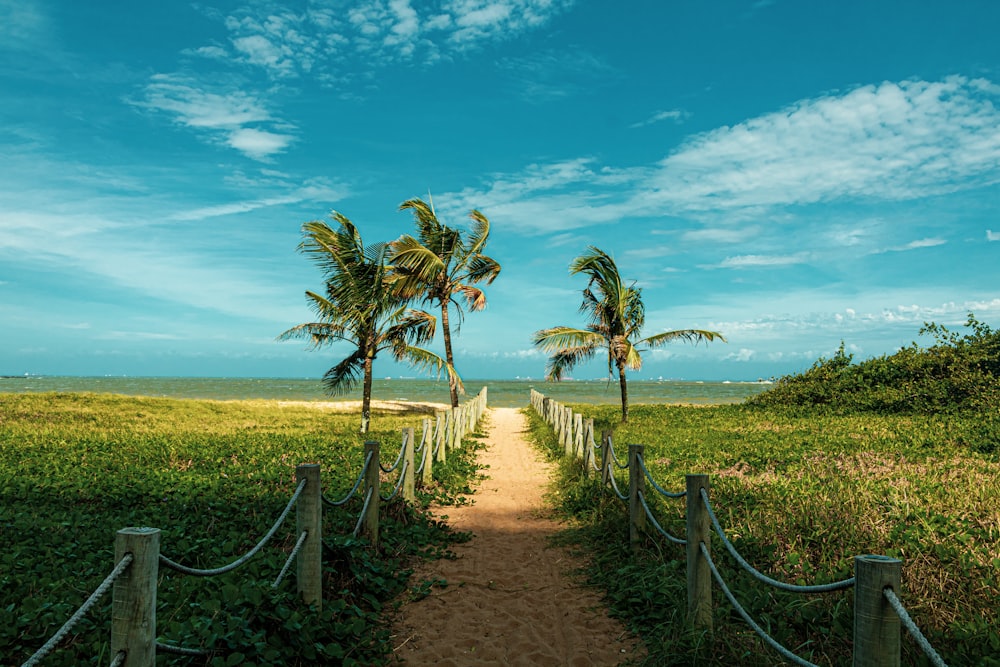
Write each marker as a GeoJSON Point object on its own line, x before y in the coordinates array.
{"type": "Point", "coordinates": [616, 315]}
{"type": "Point", "coordinates": [361, 308]}
{"type": "Point", "coordinates": [441, 262]}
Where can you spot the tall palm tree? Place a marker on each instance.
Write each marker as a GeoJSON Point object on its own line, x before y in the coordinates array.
{"type": "Point", "coordinates": [616, 315]}
{"type": "Point", "coordinates": [441, 262]}
{"type": "Point", "coordinates": [361, 308]}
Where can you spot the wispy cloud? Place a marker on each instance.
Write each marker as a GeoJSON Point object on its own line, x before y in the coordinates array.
{"type": "Point", "coordinates": [886, 142]}
{"type": "Point", "coordinates": [22, 25]}
{"type": "Point", "coordinates": [230, 117]}
{"type": "Point", "coordinates": [992, 235]}
{"type": "Point", "coordinates": [333, 42]}
{"type": "Point", "coordinates": [319, 190]}
{"type": "Point", "coordinates": [748, 261]}
{"type": "Point", "coordinates": [675, 115]}
{"type": "Point", "coordinates": [893, 141]}
{"type": "Point", "coordinates": [915, 245]}
{"type": "Point", "coordinates": [553, 75]}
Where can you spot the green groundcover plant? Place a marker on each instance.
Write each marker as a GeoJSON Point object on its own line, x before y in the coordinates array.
{"type": "Point", "coordinates": [213, 476]}
{"type": "Point", "coordinates": [799, 495]}
{"type": "Point", "coordinates": [895, 456]}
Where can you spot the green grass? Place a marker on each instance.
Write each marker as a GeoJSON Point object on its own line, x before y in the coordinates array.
{"type": "Point", "coordinates": [213, 476]}
{"type": "Point", "coordinates": [800, 493]}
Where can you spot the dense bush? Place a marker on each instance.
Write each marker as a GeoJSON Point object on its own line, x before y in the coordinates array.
{"type": "Point", "coordinates": [957, 373]}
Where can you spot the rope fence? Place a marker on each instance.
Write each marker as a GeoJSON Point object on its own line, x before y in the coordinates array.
{"type": "Point", "coordinates": [879, 614]}
{"type": "Point", "coordinates": [138, 558]}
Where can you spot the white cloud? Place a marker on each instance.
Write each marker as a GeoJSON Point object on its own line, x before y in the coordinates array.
{"type": "Point", "coordinates": [335, 42]}
{"type": "Point", "coordinates": [315, 190]}
{"type": "Point", "coordinates": [920, 243]}
{"type": "Point", "coordinates": [890, 142]}
{"type": "Point", "coordinates": [258, 144]}
{"type": "Point", "coordinates": [743, 355]}
{"type": "Point", "coordinates": [992, 236]}
{"type": "Point", "coordinates": [675, 115]}
{"type": "Point", "coordinates": [232, 117]}
{"type": "Point", "coordinates": [746, 261]}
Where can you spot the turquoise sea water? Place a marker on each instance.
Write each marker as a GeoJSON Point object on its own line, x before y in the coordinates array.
{"type": "Point", "coordinates": [502, 393]}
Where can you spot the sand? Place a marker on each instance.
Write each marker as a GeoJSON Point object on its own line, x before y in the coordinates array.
{"type": "Point", "coordinates": [511, 598]}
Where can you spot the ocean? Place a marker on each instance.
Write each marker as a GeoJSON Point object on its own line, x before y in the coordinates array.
{"type": "Point", "coordinates": [502, 393]}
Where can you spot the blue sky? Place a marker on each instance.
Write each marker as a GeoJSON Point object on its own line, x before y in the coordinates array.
{"type": "Point", "coordinates": [791, 174]}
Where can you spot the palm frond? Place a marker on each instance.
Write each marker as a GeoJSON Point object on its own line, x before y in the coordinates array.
{"type": "Point", "coordinates": [346, 375]}
{"type": "Point", "coordinates": [475, 298]}
{"type": "Point", "coordinates": [687, 335]}
{"type": "Point", "coordinates": [482, 269]}
{"type": "Point", "coordinates": [427, 361]}
{"type": "Point", "coordinates": [556, 338]}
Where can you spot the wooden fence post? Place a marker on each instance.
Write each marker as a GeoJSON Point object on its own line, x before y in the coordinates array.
{"type": "Point", "coordinates": [567, 432]}
{"type": "Point", "coordinates": [370, 523]}
{"type": "Point", "coordinates": [588, 446]}
{"type": "Point", "coordinates": [409, 494]}
{"type": "Point", "coordinates": [876, 624]}
{"type": "Point", "coordinates": [439, 436]}
{"type": "Point", "coordinates": [699, 576]}
{"type": "Point", "coordinates": [578, 435]}
{"type": "Point", "coordinates": [427, 478]}
{"type": "Point", "coordinates": [309, 518]}
{"type": "Point", "coordinates": [605, 457]}
{"type": "Point", "coordinates": [133, 610]}
{"type": "Point", "coordinates": [636, 485]}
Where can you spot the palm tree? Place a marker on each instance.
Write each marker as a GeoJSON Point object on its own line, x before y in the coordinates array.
{"type": "Point", "coordinates": [616, 315]}
{"type": "Point", "coordinates": [439, 264]}
{"type": "Point", "coordinates": [361, 308]}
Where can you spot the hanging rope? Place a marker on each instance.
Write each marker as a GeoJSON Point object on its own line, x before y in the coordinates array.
{"type": "Point", "coordinates": [399, 457]}
{"type": "Point", "coordinates": [912, 628]}
{"type": "Point", "coordinates": [614, 456]}
{"type": "Point", "coordinates": [820, 588]}
{"type": "Point", "coordinates": [785, 653]}
{"type": "Point", "coordinates": [180, 650]}
{"type": "Point", "coordinates": [242, 560]}
{"type": "Point", "coordinates": [291, 557]}
{"type": "Point", "coordinates": [84, 608]}
{"type": "Point", "coordinates": [663, 492]}
{"type": "Point", "coordinates": [119, 659]}
{"type": "Point", "coordinates": [364, 510]}
{"type": "Point", "coordinates": [399, 484]}
{"type": "Point", "coordinates": [649, 515]}
{"type": "Point", "coordinates": [357, 483]}
{"type": "Point", "coordinates": [614, 485]}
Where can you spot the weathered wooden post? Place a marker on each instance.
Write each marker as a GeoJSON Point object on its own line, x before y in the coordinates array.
{"type": "Point", "coordinates": [309, 518]}
{"type": "Point", "coordinates": [409, 493]}
{"type": "Point", "coordinates": [588, 446]}
{"type": "Point", "coordinates": [567, 432]}
{"type": "Point", "coordinates": [439, 436]}
{"type": "Point", "coordinates": [427, 457]}
{"type": "Point", "coordinates": [699, 576]}
{"type": "Point", "coordinates": [545, 409]}
{"type": "Point", "coordinates": [578, 435]}
{"type": "Point", "coordinates": [605, 457]}
{"type": "Point", "coordinates": [372, 484]}
{"type": "Point", "coordinates": [876, 624]}
{"type": "Point", "coordinates": [133, 609]}
{"type": "Point", "coordinates": [636, 485]}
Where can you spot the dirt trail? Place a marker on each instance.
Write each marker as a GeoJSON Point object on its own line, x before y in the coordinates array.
{"type": "Point", "coordinates": [510, 598]}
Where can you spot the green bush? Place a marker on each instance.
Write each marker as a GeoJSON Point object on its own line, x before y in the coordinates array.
{"type": "Point", "coordinates": [958, 373]}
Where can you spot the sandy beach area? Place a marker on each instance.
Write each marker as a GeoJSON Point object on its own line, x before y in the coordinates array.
{"type": "Point", "coordinates": [511, 597]}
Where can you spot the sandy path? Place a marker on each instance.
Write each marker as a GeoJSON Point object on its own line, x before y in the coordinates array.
{"type": "Point", "coordinates": [511, 598]}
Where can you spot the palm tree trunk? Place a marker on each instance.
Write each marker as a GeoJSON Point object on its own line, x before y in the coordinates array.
{"type": "Point", "coordinates": [446, 330]}
{"type": "Point", "coordinates": [366, 396]}
{"type": "Point", "coordinates": [624, 388]}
